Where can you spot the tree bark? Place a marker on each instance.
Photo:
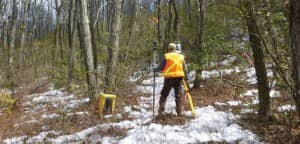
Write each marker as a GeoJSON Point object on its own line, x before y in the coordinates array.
{"type": "Point", "coordinates": [23, 32]}
{"type": "Point", "coordinates": [57, 30]}
{"type": "Point", "coordinates": [5, 26]}
{"type": "Point", "coordinates": [271, 31]}
{"type": "Point", "coordinates": [168, 28]}
{"type": "Point", "coordinates": [294, 25]}
{"type": "Point", "coordinates": [259, 63]}
{"type": "Point", "coordinates": [61, 38]}
{"type": "Point", "coordinates": [2, 33]}
{"type": "Point", "coordinates": [49, 26]}
{"type": "Point", "coordinates": [1, 18]}
{"type": "Point", "coordinates": [113, 45]}
{"type": "Point", "coordinates": [159, 21]}
{"type": "Point", "coordinates": [189, 11]}
{"type": "Point", "coordinates": [130, 28]}
{"type": "Point", "coordinates": [176, 20]}
{"type": "Point", "coordinates": [12, 38]}
{"type": "Point", "coordinates": [200, 39]}
{"type": "Point", "coordinates": [93, 14]}
{"type": "Point", "coordinates": [72, 37]}
{"type": "Point", "coordinates": [86, 43]}
{"type": "Point", "coordinates": [34, 21]}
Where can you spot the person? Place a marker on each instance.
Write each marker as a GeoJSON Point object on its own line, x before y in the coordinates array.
{"type": "Point", "coordinates": [172, 68]}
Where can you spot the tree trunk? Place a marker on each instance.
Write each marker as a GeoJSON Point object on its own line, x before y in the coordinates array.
{"type": "Point", "coordinates": [12, 38]}
{"type": "Point", "coordinates": [270, 29]}
{"type": "Point", "coordinates": [72, 38]}
{"type": "Point", "coordinates": [23, 32]}
{"type": "Point", "coordinates": [159, 20]}
{"type": "Point", "coordinates": [189, 11]}
{"type": "Point", "coordinates": [61, 37]}
{"type": "Point", "coordinates": [176, 19]}
{"type": "Point", "coordinates": [5, 26]}
{"type": "Point", "coordinates": [87, 46]}
{"type": "Point", "coordinates": [93, 17]}
{"type": "Point", "coordinates": [57, 30]}
{"type": "Point", "coordinates": [34, 21]}
{"type": "Point", "coordinates": [109, 13]}
{"type": "Point", "coordinates": [1, 18]}
{"type": "Point", "coordinates": [200, 40]}
{"type": "Point", "coordinates": [49, 25]}
{"type": "Point", "coordinates": [130, 28]}
{"type": "Point", "coordinates": [294, 10]}
{"type": "Point", "coordinates": [2, 32]}
{"type": "Point", "coordinates": [168, 27]}
{"type": "Point", "coordinates": [258, 55]}
{"type": "Point", "coordinates": [113, 45]}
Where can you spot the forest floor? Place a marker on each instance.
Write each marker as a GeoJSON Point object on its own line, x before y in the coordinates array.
{"type": "Point", "coordinates": [226, 105]}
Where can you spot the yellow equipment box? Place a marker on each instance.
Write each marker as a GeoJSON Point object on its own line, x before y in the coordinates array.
{"type": "Point", "coordinates": [103, 102]}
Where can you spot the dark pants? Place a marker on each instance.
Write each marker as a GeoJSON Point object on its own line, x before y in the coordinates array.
{"type": "Point", "coordinates": [170, 83]}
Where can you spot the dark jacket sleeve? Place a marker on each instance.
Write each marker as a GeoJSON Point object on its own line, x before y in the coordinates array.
{"type": "Point", "coordinates": [160, 66]}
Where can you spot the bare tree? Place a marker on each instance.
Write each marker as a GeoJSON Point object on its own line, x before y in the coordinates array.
{"type": "Point", "coordinates": [12, 38]}
{"type": "Point", "coordinates": [176, 20]}
{"type": "Point", "coordinates": [294, 13]}
{"type": "Point", "coordinates": [23, 30]}
{"type": "Point", "coordinates": [259, 63]}
{"type": "Point", "coordinates": [200, 39]}
{"type": "Point", "coordinates": [58, 8]}
{"type": "Point", "coordinates": [34, 21]}
{"type": "Point", "coordinates": [113, 44]}
{"type": "Point", "coordinates": [271, 31]}
{"type": "Point", "coordinates": [5, 25]}
{"type": "Point", "coordinates": [1, 8]}
{"type": "Point", "coordinates": [86, 44]}
{"type": "Point", "coordinates": [72, 38]}
{"type": "Point", "coordinates": [130, 27]}
{"type": "Point", "coordinates": [1, 28]}
{"type": "Point", "coordinates": [93, 17]}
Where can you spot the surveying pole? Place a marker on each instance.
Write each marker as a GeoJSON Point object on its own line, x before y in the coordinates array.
{"type": "Point", "coordinates": [154, 65]}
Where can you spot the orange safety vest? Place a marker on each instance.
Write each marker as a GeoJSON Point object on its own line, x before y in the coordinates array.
{"type": "Point", "coordinates": [174, 65]}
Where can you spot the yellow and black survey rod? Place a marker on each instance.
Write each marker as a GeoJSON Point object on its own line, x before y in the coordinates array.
{"type": "Point", "coordinates": [189, 96]}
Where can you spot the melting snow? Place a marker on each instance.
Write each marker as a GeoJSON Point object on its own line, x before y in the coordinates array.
{"type": "Point", "coordinates": [274, 93]}
{"type": "Point", "coordinates": [215, 73]}
{"type": "Point", "coordinates": [286, 108]}
{"type": "Point", "coordinates": [209, 125]}
{"type": "Point", "coordinates": [249, 93]}
{"type": "Point", "coordinates": [244, 111]}
{"type": "Point", "coordinates": [234, 103]}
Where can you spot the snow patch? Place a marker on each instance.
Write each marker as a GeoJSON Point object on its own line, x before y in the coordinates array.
{"type": "Point", "coordinates": [234, 103]}
{"type": "Point", "coordinates": [245, 110]}
{"type": "Point", "coordinates": [286, 108]}
{"type": "Point", "coordinates": [49, 116]}
{"type": "Point", "coordinates": [274, 94]}
{"type": "Point", "coordinates": [209, 125]}
{"type": "Point", "coordinates": [15, 140]}
{"type": "Point", "coordinates": [216, 73]}
{"type": "Point", "coordinates": [250, 93]}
